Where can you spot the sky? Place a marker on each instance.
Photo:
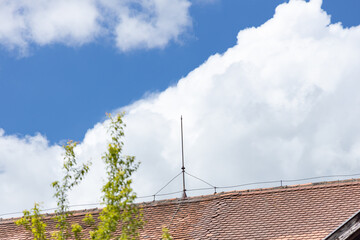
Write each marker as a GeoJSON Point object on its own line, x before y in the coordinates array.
{"type": "Point", "coordinates": [268, 90]}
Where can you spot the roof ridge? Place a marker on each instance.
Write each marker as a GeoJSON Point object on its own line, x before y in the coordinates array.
{"type": "Point", "coordinates": [50, 215]}
{"type": "Point", "coordinates": [297, 187]}
{"type": "Point", "coordinates": [209, 197]}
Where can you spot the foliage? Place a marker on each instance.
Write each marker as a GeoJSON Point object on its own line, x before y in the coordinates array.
{"type": "Point", "coordinates": [117, 192]}
{"type": "Point", "coordinates": [32, 221]}
{"type": "Point", "coordinates": [89, 220]}
{"type": "Point", "coordinates": [76, 229]}
{"type": "Point", "coordinates": [73, 176]}
{"type": "Point", "coordinates": [165, 234]}
{"type": "Point", "coordinates": [118, 196]}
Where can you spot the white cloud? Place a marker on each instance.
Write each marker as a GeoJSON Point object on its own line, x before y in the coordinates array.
{"type": "Point", "coordinates": [155, 22]}
{"type": "Point", "coordinates": [282, 103]}
{"type": "Point", "coordinates": [133, 24]}
{"type": "Point", "coordinates": [11, 25]}
{"type": "Point", "coordinates": [27, 168]}
{"type": "Point", "coordinates": [67, 21]}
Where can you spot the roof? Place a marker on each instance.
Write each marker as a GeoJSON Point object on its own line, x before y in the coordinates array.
{"type": "Point", "coordinates": [350, 230]}
{"type": "Point", "coordinates": [308, 211]}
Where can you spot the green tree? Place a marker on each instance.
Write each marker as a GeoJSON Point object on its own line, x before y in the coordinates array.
{"type": "Point", "coordinates": [118, 196]}
{"type": "Point", "coordinates": [117, 192]}
{"type": "Point", "coordinates": [33, 222]}
{"type": "Point", "coordinates": [165, 234]}
{"type": "Point", "coordinates": [73, 176]}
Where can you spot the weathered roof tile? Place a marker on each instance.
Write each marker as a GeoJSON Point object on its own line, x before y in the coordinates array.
{"type": "Point", "coordinates": [308, 211]}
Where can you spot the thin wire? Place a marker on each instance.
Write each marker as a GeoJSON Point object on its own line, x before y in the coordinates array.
{"type": "Point", "coordinates": [247, 184]}
{"type": "Point", "coordinates": [167, 184]}
{"type": "Point", "coordinates": [200, 179]}
{"type": "Point", "coordinates": [86, 204]}
{"type": "Point", "coordinates": [291, 180]}
{"type": "Point", "coordinates": [328, 176]}
{"type": "Point", "coordinates": [50, 209]}
{"type": "Point", "coordinates": [12, 213]}
{"type": "Point", "coordinates": [165, 194]}
{"type": "Point", "coordinates": [162, 194]}
{"type": "Point", "coordinates": [199, 189]}
{"type": "Point", "coordinates": [148, 196]}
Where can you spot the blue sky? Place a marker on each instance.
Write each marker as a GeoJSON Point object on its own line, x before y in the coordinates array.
{"type": "Point", "coordinates": [268, 90]}
{"type": "Point", "coordinates": [62, 91]}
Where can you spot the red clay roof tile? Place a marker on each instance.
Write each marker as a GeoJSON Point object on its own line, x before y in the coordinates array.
{"type": "Point", "coordinates": [308, 211]}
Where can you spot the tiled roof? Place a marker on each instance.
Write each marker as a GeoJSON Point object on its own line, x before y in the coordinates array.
{"type": "Point", "coordinates": [308, 211]}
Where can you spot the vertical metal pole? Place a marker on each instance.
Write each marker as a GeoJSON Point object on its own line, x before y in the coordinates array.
{"type": "Point", "coordinates": [183, 165]}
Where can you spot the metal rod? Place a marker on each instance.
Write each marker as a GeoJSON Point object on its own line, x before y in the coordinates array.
{"type": "Point", "coordinates": [183, 164]}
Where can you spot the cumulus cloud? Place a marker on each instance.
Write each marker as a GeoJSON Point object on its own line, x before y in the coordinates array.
{"type": "Point", "coordinates": [27, 168]}
{"type": "Point", "coordinates": [148, 24]}
{"type": "Point", "coordinates": [132, 24]}
{"type": "Point", "coordinates": [282, 103]}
